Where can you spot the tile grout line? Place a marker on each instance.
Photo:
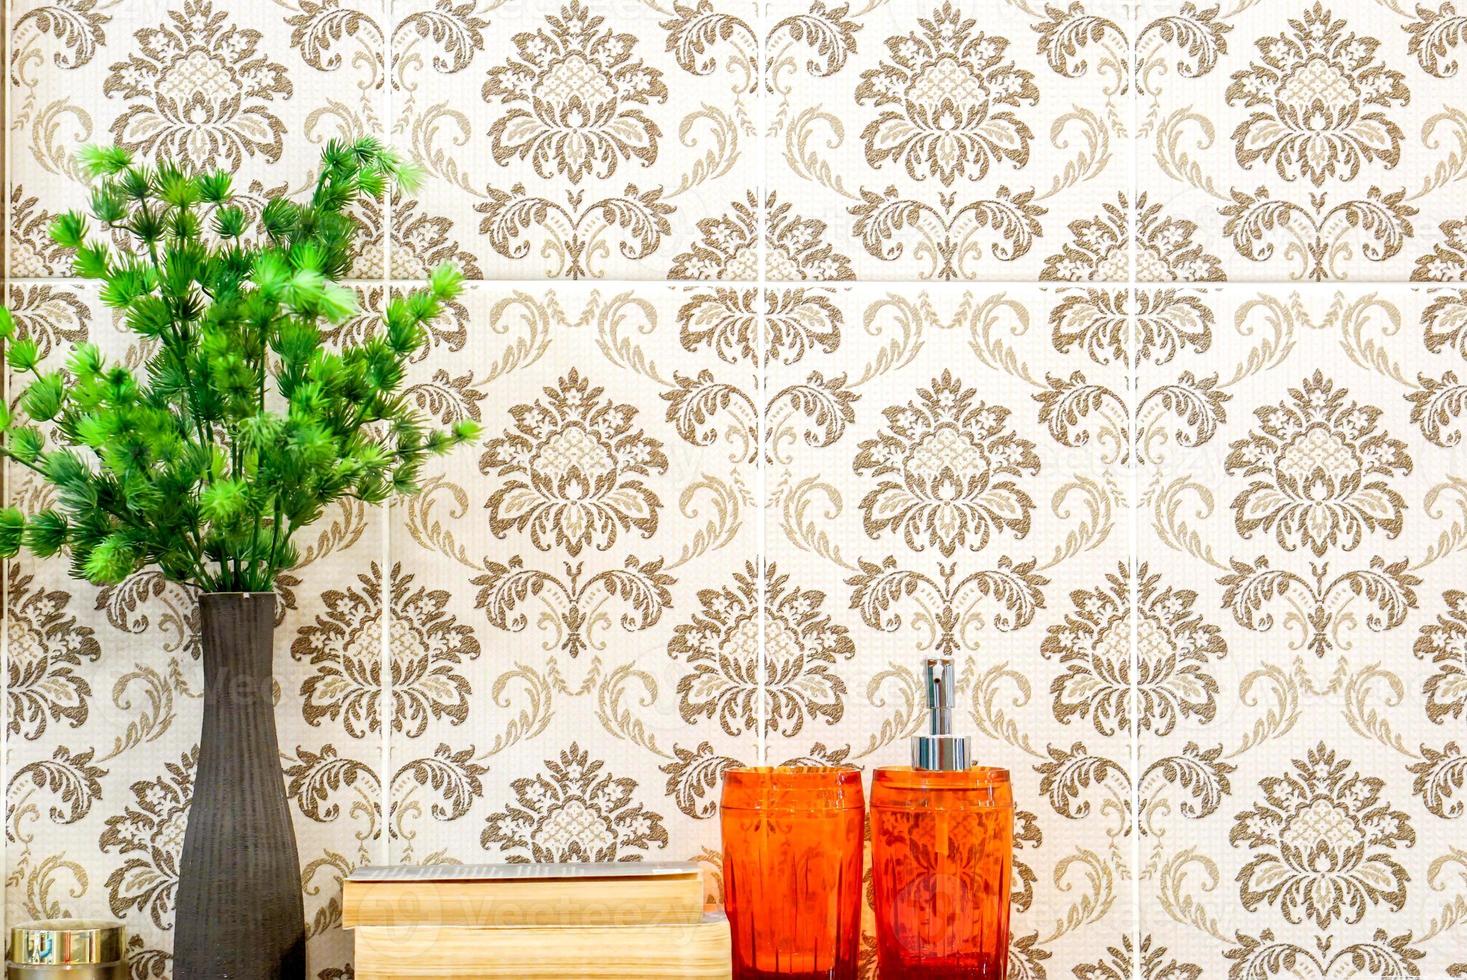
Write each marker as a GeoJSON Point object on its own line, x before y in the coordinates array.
{"type": "Point", "coordinates": [5, 159]}
{"type": "Point", "coordinates": [1133, 394]}
{"type": "Point", "coordinates": [846, 285]}
{"type": "Point", "coordinates": [384, 514]}
{"type": "Point", "coordinates": [761, 378]}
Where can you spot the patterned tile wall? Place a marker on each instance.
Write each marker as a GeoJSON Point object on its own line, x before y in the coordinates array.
{"type": "Point", "coordinates": [1300, 624]}
{"type": "Point", "coordinates": [1106, 347]}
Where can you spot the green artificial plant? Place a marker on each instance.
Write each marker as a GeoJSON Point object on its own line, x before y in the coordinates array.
{"type": "Point", "coordinates": [244, 423]}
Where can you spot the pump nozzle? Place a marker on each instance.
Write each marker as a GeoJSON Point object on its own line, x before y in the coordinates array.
{"type": "Point", "coordinates": [940, 748]}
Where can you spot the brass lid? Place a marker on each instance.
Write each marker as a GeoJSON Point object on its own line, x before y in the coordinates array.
{"type": "Point", "coordinates": [66, 942]}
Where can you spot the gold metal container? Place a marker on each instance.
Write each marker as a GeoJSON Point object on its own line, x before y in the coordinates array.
{"type": "Point", "coordinates": [67, 949]}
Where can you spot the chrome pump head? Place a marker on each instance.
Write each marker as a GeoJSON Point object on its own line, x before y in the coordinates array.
{"type": "Point", "coordinates": [940, 748]}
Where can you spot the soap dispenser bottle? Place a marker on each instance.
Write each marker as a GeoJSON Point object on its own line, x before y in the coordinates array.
{"type": "Point", "coordinates": [942, 834]}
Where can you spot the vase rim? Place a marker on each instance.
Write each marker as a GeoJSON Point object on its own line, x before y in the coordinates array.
{"type": "Point", "coordinates": [247, 595]}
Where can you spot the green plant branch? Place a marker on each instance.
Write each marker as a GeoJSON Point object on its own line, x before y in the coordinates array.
{"type": "Point", "coordinates": [189, 469]}
{"type": "Point", "coordinates": [120, 517]}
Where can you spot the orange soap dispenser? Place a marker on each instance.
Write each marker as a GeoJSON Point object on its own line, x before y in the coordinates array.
{"type": "Point", "coordinates": [942, 836]}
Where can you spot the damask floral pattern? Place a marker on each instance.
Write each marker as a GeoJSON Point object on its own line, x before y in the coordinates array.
{"type": "Point", "coordinates": [31, 253]}
{"type": "Point", "coordinates": [946, 387]}
{"type": "Point", "coordinates": [1322, 840]}
{"type": "Point", "coordinates": [149, 834]}
{"type": "Point", "coordinates": [575, 743]}
{"type": "Point", "coordinates": [791, 677]}
{"type": "Point", "coordinates": [1102, 249]}
{"type": "Point", "coordinates": [728, 248]}
{"type": "Point", "coordinates": [1320, 99]}
{"type": "Point", "coordinates": [1329, 767]}
{"type": "Point", "coordinates": [1305, 140]}
{"type": "Point", "coordinates": [1174, 651]}
{"type": "Point", "coordinates": [938, 141]}
{"type": "Point", "coordinates": [575, 95]}
{"type": "Point", "coordinates": [45, 682]}
{"type": "Point", "coordinates": [580, 139]}
{"type": "Point", "coordinates": [571, 470]}
{"type": "Point", "coordinates": [199, 90]}
{"type": "Point", "coordinates": [949, 468]}
{"type": "Point", "coordinates": [574, 811]}
{"type": "Point", "coordinates": [428, 652]}
{"type": "Point", "coordinates": [1447, 261]}
{"type": "Point", "coordinates": [947, 97]}
{"type": "Point", "coordinates": [1069, 209]}
{"type": "Point", "coordinates": [1445, 642]}
{"type": "Point", "coordinates": [1320, 471]}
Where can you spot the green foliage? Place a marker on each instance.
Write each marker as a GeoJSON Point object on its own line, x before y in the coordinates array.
{"type": "Point", "coordinates": [243, 425]}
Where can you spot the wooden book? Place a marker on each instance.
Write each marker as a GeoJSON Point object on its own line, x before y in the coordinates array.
{"type": "Point", "coordinates": [698, 951]}
{"type": "Point", "coordinates": [519, 895]}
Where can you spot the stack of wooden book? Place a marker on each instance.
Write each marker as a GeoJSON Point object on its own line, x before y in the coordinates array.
{"type": "Point", "coordinates": [534, 921]}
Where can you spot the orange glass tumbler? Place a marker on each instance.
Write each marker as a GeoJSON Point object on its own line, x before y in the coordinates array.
{"type": "Point", "coordinates": [942, 847]}
{"type": "Point", "coordinates": [792, 855]}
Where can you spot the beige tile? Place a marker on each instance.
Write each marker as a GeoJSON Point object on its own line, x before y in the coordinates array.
{"type": "Point", "coordinates": [1306, 141]}
{"type": "Point", "coordinates": [1300, 497]}
{"type": "Point", "coordinates": [943, 140]}
{"type": "Point", "coordinates": [549, 580]}
{"type": "Point", "coordinates": [947, 478]}
{"type": "Point", "coordinates": [257, 89]}
{"type": "Point", "coordinates": [577, 140]}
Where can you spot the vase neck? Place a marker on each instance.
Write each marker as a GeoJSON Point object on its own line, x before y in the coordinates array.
{"type": "Point", "coordinates": [236, 633]}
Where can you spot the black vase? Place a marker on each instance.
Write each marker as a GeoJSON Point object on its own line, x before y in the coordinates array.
{"type": "Point", "coordinates": [240, 911]}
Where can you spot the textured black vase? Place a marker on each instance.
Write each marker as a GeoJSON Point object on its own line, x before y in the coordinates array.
{"type": "Point", "coordinates": [240, 912]}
